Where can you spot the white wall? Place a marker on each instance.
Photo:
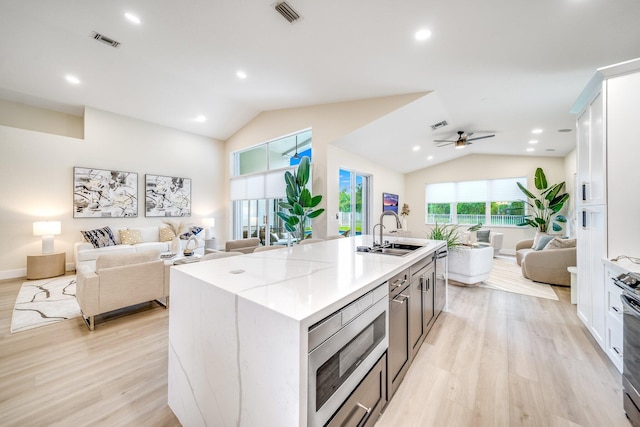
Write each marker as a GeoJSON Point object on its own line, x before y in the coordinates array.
{"type": "Point", "coordinates": [328, 123]}
{"type": "Point", "coordinates": [36, 170]}
{"type": "Point", "coordinates": [475, 167]}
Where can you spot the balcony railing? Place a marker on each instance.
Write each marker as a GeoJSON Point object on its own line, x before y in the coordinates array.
{"type": "Point", "coordinates": [499, 220]}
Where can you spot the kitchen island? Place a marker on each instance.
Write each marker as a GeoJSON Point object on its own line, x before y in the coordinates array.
{"type": "Point", "coordinates": [238, 327]}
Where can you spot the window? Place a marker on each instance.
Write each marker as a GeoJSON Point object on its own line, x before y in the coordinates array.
{"type": "Point", "coordinates": [258, 186]}
{"type": "Point", "coordinates": [490, 202]}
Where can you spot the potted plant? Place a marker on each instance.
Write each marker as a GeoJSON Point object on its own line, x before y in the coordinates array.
{"type": "Point", "coordinates": [446, 232]}
{"type": "Point", "coordinates": [300, 204]}
{"type": "Point", "coordinates": [546, 205]}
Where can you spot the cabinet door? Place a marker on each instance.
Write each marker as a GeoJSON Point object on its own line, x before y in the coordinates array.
{"type": "Point", "coordinates": [428, 296]}
{"type": "Point", "coordinates": [416, 310]}
{"type": "Point", "coordinates": [591, 287]}
{"type": "Point", "coordinates": [398, 353]}
{"type": "Point", "coordinates": [592, 157]}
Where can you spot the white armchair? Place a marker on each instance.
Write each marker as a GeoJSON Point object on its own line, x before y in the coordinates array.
{"type": "Point", "coordinates": [120, 280]}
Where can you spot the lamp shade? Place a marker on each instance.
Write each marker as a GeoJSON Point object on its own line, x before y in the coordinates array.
{"type": "Point", "coordinates": [46, 228]}
{"type": "Point", "coordinates": [209, 222]}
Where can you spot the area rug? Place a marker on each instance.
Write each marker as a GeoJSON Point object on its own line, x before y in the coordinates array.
{"type": "Point", "coordinates": [506, 276]}
{"type": "Point", "coordinates": [43, 302]}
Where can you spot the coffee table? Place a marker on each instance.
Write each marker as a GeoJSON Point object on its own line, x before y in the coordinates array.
{"type": "Point", "coordinates": [470, 265]}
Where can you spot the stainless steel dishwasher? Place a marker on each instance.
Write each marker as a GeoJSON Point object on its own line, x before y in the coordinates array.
{"type": "Point", "coordinates": [440, 288]}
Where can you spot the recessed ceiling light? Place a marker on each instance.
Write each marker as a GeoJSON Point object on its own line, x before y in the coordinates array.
{"type": "Point", "coordinates": [416, 148]}
{"type": "Point", "coordinates": [201, 119]}
{"type": "Point", "coordinates": [430, 158]}
{"type": "Point", "coordinates": [72, 79]}
{"type": "Point", "coordinates": [422, 34]}
{"type": "Point", "coordinates": [564, 130]}
{"type": "Point", "coordinates": [530, 149]}
{"type": "Point", "coordinates": [536, 131]}
{"type": "Point", "coordinates": [132, 18]}
{"type": "Point", "coordinates": [241, 74]}
{"type": "Point", "coordinates": [533, 141]}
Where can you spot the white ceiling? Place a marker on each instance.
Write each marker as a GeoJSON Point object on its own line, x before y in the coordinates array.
{"type": "Point", "coordinates": [498, 65]}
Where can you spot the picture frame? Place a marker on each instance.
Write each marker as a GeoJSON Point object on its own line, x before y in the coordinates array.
{"type": "Point", "coordinates": [167, 196]}
{"type": "Point", "coordinates": [103, 193]}
{"type": "Point", "coordinates": [390, 202]}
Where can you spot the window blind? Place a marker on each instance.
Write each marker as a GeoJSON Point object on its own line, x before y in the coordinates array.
{"type": "Point", "coordinates": [494, 190]}
{"type": "Point", "coordinates": [267, 185]}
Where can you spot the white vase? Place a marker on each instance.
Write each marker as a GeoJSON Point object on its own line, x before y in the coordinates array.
{"type": "Point", "coordinates": [404, 224]}
{"type": "Point", "coordinates": [175, 245]}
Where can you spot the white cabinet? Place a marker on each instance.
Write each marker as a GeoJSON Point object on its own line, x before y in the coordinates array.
{"type": "Point", "coordinates": [591, 173]}
{"type": "Point", "coordinates": [614, 318]}
{"type": "Point", "coordinates": [591, 238]}
{"type": "Point", "coordinates": [606, 205]}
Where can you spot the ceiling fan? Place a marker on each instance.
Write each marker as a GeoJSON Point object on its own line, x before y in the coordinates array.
{"type": "Point", "coordinates": [462, 141]}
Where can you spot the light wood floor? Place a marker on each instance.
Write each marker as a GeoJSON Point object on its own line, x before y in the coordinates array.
{"type": "Point", "coordinates": [495, 359]}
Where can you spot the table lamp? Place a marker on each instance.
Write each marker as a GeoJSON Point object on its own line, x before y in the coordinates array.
{"type": "Point", "coordinates": [208, 223]}
{"type": "Point", "coordinates": [46, 229]}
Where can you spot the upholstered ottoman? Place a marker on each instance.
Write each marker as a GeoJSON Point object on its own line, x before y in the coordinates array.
{"type": "Point", "coordinates": [470, 266]}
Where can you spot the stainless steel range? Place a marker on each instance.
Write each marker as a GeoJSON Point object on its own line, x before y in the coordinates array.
{"type": "Point", "coordinates": [630, 284]}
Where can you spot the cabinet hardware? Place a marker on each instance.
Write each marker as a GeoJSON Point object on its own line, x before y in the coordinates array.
{"type": "Point", "coordinates": [616, 309]}
{"type": "Point", "coordinates": [584, 218]}
{"type": "Point", "coordinates": [584, 192]}
{"type": "Point", "coordinates": [618, 352]}
{"type": "Point", "coordinates": [363, 407]}
{"type": "Point", "coordinates": [399, 282]}
{"type": "Point", "coordinates": [406, 297]}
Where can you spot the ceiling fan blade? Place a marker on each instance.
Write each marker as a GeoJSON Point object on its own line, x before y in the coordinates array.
{"type": "Point", "coordinates": [444, 145]}
{"type": "Point", "coordinates": [480, 137]}
{"type": "Point", "coordinates": [442, 140]}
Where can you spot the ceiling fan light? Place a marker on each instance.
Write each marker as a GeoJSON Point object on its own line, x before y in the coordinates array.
{"type": "Point", "coordinates": [460, 145]}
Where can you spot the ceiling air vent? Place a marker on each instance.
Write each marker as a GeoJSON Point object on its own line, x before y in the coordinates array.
{"type": "Point", "coordinates": [104, 39]}
{"type": "Point", "coordinates": [439, 125]}
{"type": "Point", "coordinates": [287, 12]}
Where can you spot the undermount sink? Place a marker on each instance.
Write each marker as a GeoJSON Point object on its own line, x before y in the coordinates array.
{"type": "Point", "coordinates": [395, 249]}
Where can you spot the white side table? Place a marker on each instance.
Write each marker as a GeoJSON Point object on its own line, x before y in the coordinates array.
{"type": "Point", "coordinates": [43, 266]}
{"type": "Point", "coordinates": [210, 243]}
{"type": "Point", "coordinates": [574, 284]}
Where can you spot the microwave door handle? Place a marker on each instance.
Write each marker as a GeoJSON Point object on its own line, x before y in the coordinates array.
{"type": "Point", "coordinates": [632, 310]}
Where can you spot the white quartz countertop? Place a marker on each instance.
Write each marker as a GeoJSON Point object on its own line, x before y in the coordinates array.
{"type": "Point", "coordinates": [307, 282]}
{"type": "Point", "coordinates": [623, 264]}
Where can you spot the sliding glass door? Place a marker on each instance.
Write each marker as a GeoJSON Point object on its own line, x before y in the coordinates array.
{"type": "Point", "coordinates": [353, 205]}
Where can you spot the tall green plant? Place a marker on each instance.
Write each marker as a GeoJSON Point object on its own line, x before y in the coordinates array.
{"type": "Point", "coordinates": [446, 232]}
{"type": "Point", "coordinates": [300, 203]}
{"type": "Point", "coordinates": [546, 205]}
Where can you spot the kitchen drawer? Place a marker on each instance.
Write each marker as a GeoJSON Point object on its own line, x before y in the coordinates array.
{"type": "Point", "coordinates": [614, 304]}
{"type": "Point", "coordinates": [363, 407]}
{"type": "Point", "coordinates": [614, 340]}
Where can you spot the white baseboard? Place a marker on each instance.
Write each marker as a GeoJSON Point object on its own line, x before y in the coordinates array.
{"type": "Point", "coordinates": [22, 272]}
{"type": "Point", "coordinates": [13, 274]}
{"type": "Point", "coordinates": [511, 252]}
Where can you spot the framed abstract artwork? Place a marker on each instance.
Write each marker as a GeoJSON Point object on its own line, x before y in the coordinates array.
{"type": "Point", "coordinates": [167, 196]}
{"type": "Point", "coordinates": [101, 193]}
{"type": "Point", "coordinates": [390, 202]}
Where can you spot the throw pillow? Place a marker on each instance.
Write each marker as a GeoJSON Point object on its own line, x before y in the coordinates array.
{"type": "Point", "coordinates": [558, 243]}
{"type": "Point", "coordinates": [166, 234]}
{"type": "Point", "coordinates": [542, 242]}
{"type": "Point", "coordinates": [483, 235]}
{"type": "Point", "coordinates": [193, 231]}
{"type": "Point", "coordinates": [536, 238]}
{"type": "Point", "coordinates": [100, 237]}
{"type": "Point", "coordinates": [130, 237]}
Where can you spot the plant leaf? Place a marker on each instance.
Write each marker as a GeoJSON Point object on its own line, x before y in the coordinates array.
{"type": "Point", "coordinates": [540, 179]}
{"type": "Point", "coordinates": [314, 214]}
{"type": "Point", "coordinates": [303, 171]}
{"type": "Point", "coordinates": [556, 227]}
{"type": "Point", "coordinates": [298, 209]}
{"type": "Point", "coordinates": [528, 193]}
{"type": "Point", "coordinates": [283, 216]}
{"type": "Point", "coordinates": [305, 198]}
{"type": "Point", "coordinates": [560, 218]}
{"type": "Point", "coordinates": [315, 201]}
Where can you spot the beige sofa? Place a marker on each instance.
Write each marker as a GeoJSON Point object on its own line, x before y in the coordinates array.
{"type": "Point", "coordinates": [243, 245]}
{"type": "Point", "coordinates": [547, 265]}
{"type": "Point", "coordinates": [85, 254]}
{"type": "Point", "coordinates": [118, 281]}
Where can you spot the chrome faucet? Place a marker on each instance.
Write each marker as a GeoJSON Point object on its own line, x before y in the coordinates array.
{"type": "Point", "coordinates": [384, 213]}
